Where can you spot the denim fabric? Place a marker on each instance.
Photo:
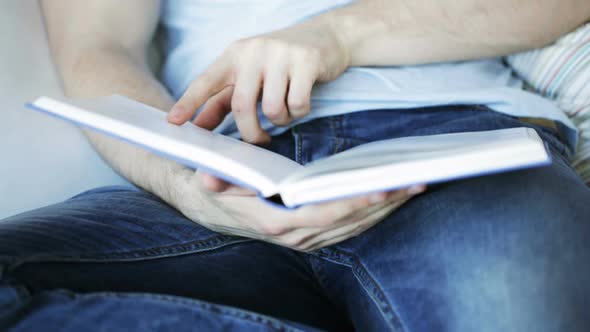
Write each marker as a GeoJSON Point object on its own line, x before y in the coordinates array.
{"type": "Point", "coordinates": [504, 252]}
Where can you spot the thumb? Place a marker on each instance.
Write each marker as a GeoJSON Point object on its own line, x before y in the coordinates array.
{"type": "Point", "coordinates": [215, 184]}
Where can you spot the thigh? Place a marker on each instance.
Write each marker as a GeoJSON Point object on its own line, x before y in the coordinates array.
{"type": "Point", "coordinates": [505, 252]}
{"type": "Point", "coordinates": [111, 223]}
{"type": "Point", "coordinates": [61, 311]}
{"type": "Point", "coordinates": [125, 240]}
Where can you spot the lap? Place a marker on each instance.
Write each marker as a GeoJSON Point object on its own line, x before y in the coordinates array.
{"type": "Point", "coordinates": [493, 251]}
{"type": "Point", "coordinates": [122, 240]}
{"type": "Point", "coordinates": [105, 224]}
{"type": "Point", "coordinates": [62, 310]}
{"type": "Point", "coordinates": [501, 252]}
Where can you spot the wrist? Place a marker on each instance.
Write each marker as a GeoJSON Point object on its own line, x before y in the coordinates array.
{"type": "Point", "coordinates": [369, 31]}
{"type": "Point", "coordinates": [177, 185]}
{"type": "Point", "coordinates": [338, 26]}
{"type": "Point", "coordinates": [333, 28]}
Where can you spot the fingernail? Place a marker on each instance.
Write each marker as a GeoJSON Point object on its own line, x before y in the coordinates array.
{"type": "Point", "coordinates": [416, 189]}
{"type": "Point", "coordinates": [175, 113]}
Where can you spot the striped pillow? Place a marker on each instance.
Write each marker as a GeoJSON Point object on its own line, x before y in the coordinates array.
{"type": "Point", "coordinates": [562, 72]}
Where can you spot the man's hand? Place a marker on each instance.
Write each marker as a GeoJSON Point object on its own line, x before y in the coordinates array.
{"type": "Point", "coordinates": [282, 66]}
{"type": "Point", "coordinates": [238, 211]}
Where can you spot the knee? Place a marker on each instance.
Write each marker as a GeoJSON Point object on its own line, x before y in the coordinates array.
{"type": "Point", "coordinates": [516, 253]}
{"type": "Point", "coordinates": [525, 291]}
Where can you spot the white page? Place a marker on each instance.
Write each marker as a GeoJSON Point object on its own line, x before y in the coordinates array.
{"type": "Point", "coordinates": [395, 163]}
{"type": "Point", "coordinates": [410, 149]}
{"type": "Point", "coordinates": [231, 159]}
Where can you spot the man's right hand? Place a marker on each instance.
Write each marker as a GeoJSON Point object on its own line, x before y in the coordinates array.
{"type": "Point", "coordinates": [233, 210]}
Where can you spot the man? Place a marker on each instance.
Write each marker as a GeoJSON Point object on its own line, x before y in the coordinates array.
{"type": "Point", "coordinates": [188, 251]}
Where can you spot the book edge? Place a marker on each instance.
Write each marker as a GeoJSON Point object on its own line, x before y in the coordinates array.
{"type": "Point", "coordinates": [264, 190]}
{"type": "Point", "coordinates": [290, 193]}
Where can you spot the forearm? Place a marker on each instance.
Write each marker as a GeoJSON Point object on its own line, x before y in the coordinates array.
{"type": "Point", "coordinates": [399, 32]}
{"type": "Point", "coordinates": [108, 70]}
{"type": "Point", "coordinates": [99, 47]}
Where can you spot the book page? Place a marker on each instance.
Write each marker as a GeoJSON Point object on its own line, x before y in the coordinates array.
{"type": "Point", "coordinates": [395, 163]}
{"type": "Point", "coordinates": [233, 160]}
{"type": "Point", "coordinates": [403, 149]}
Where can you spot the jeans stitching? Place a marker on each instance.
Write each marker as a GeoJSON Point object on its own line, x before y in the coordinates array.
{"type": "Point", "coordinates": [297, 141]}
{"type": "Point", "coordinates": [376, 293]}
{"type": "Point", "coordinates": [335, 127]}
{"type": "Point", "coordinates": [137, 255]}
{"type": "Point", "coordinates": [270, 322]}
{"type": "Point", "coordinates": [367, 282]}
{"type": "Point", "coordinates": [318, 271]}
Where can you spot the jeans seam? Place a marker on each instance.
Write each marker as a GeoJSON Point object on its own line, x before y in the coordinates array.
{"type": "Point", "coordinates": [319, 273]}
{"type": "Point", "coordinates": [136, 255]}
{"type": "Point", "coordinates": [270, 322]}
{"type": "Point", "coordinates": [297, 141]}
{"type": "Point", "coordinates": [367, 282]}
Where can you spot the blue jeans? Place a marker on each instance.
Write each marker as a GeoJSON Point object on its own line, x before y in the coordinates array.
{"type": "Point", "coordinates": [504, 252]}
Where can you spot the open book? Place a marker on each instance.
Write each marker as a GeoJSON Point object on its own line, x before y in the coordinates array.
{"type": "Point", "coordinates": [377, 166]}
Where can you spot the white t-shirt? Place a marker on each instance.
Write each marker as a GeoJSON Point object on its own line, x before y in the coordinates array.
{"type": "Point", "coordinates": [198, 31]}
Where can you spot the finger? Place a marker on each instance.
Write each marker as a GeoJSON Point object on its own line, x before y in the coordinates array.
{"type": "Point", "coordinates": [273, 97]}
{"type": "Point", "coordinates": [295, 237]}
{"type": "Point", "coordinates": [393, 198]}
{"type": "Point", "coordinates": [347, 229]}
{"type": "Point", "coordinates": [213, 183]}
{"type": "Point", "coordinates": [215, 109]}
{"type": "Point", "coordinates": [300, 85]}
{"type": "Point", "coordinates": [206, 85]}
{"type": "Point", "coordinates": [243, 105]}
{"type": "Point", "coordinates": [350, 230]}
{"type": "Point", "coordinates": [323, 215]}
